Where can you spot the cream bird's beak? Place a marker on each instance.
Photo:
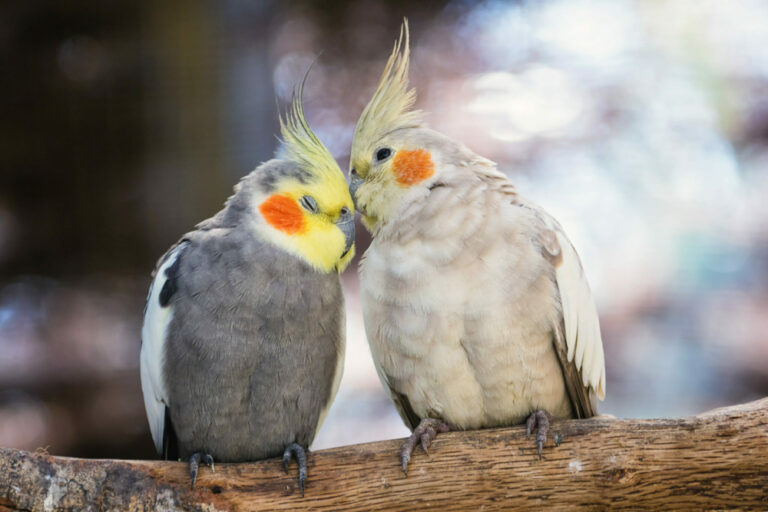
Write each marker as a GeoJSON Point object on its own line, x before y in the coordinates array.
{"type": "Point", "coordinates": [354, 182]}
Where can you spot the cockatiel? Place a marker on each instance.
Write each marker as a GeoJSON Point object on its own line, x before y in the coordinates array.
{"type": "Point", "coordinates": [243, 338]}
{"type": "Point", "coordinates": [476, 307]}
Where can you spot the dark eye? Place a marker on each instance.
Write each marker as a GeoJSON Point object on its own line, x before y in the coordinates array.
{"type": "Point", "coordinates": [353, 172]}
{"type": "Point", "coordinates": [383, 154]}
{"type": "Point", "coordinates": [308, 203]}
{"type": "Point", "coordinates": [344, 210]}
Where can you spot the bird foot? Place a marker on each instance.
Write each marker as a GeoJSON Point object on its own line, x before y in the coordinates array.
{"type": "Point", "coordinates": [423, 435]}
{"type": "Point", "coordinates": [194, 464]}
{"type": "Point", "coordinates": [538, 420]}
{"type": "Point", "coordinates": [296, 450]}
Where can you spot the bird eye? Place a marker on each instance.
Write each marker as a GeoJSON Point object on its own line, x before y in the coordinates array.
{"type": "Point", "coordinates": [383, 153]}
{"type": "Point", "coordinates": [353, 172]}
{"type": "Point", "coordinates": [344, 210]}
{"type": "Point", "coordinates": [308, 203]}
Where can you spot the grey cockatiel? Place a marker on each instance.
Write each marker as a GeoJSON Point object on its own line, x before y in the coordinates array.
{"type": "Point", "coordinates": [243, 337]}
{"type": "Point", "coordinates": [476, 307]}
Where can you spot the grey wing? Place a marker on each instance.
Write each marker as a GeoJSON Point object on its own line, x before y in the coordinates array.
{"type": "Point", "coordinates": [577, 337]}
{"type": "Point", "coordinates": [157, 316]}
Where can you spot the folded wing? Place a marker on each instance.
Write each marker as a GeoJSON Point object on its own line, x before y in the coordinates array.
{"type": "Point", "coordinates": [157, 316]}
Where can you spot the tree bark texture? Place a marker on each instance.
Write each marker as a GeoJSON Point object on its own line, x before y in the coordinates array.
{"type": "Point", "coordinates": [714, 461]}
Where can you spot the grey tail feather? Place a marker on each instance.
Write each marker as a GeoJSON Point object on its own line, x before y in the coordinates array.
{"type": "Point", "coordinates": [170, 441]}
{"type": "Point", "coordinates": [413, 418]}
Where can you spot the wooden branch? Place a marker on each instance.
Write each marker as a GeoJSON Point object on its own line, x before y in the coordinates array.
{"type": "Point", "coordinates": [718, 460]}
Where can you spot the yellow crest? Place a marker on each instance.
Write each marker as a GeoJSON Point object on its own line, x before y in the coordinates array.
{"type": "Point", "coordinates": [391, 107]}
{"type": "Point", "coordinates": [301, 146]}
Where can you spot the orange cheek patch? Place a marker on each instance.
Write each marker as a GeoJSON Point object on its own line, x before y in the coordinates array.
{"type": "Point", "coordinates": [282, 213]}
{"type": "Point", "coordinates": [411, 167]}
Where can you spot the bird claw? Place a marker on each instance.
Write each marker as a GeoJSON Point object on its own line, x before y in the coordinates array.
{"type": "Point", "coordinates": [426, 438]}
{"type": "Point", "coordinates": [296, 450]}
{"type": "Point", "coordinates": [422, 435]}
{"type": "Point", "coordinates": [194, 464]}
{"type": "Point", "coordinates": [208, 459]}
{"type": "Point", "coordinates": [286, 459]}
{"type": "Point", "coordinates": [538, 420]}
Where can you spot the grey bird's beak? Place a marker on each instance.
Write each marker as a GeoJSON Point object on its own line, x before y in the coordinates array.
{"type": "Point", "coordinates": [346, 224]}
{"type": "Point", "coordinates": [354, 182]}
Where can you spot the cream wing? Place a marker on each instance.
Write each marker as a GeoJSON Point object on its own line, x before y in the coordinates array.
{"type": "Point", "coordinates": [582, 326]}
{"type": "Point", "coordinates": [578, 341]}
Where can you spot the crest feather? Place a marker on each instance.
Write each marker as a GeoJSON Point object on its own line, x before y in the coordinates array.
{"type": "Point", "coordinates": [391, 107]}
{"type": "Point", "coordinates": [300, 145]}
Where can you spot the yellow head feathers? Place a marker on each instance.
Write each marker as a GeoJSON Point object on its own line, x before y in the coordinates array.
{"type": "Point", "coordinates": [306, 207]}
{"type": "Point", "coordinates": [391, 107]}
{"type": "Point", "coordinates": [301, 146]}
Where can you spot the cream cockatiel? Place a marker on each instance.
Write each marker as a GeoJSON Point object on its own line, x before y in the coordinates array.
{"type": "Point", "coordinates": [476, 307]}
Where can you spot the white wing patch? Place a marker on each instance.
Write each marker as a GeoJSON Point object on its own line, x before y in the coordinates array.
{"type": "Point", "coordinates": [153, 333]}
{"type": "Point", "coordinates": [582, 327]}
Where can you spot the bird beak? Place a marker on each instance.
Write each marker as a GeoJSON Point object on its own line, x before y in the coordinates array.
{"type": "Point", "coordinates": [354, 182]}
{"type": "Point", "coordinates": [346, 224]}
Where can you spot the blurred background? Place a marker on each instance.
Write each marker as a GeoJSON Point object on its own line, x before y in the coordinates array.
{"type": "Point", "coordinates": [642, 126]}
